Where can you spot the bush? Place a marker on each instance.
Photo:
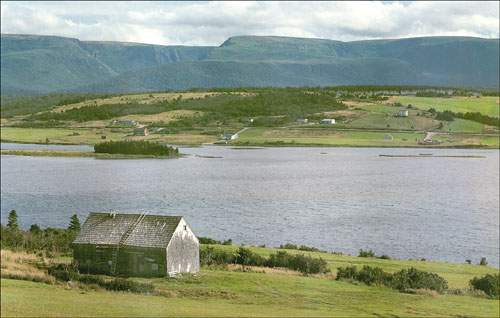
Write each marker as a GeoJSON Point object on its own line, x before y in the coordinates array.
{"type": "Point", "coordinates": [406, 280]}
{"type": "Point", "coordinates": [349, 272]}
{"type": "Point", "coordinates": [483, 261]}
{"type": "Point", "coordinates": [212, 256]}
{"type": "Point", "coordinates": [91, 279]}
{"type": "Point", "coordinates": [368, 253]}
{"type": "Point", "coordinates": [244, 256]}
{"type": "Point", "coordinates": [413, 278]}
{"type": "Point", "coordinates": [63, 272]}
{"type": "Point", "coordinates": [373, 276]}
{"type": "Point", "coordinates": [299, 262]}
{"type": "Point", "coordinates": [122, 284]}
{"type": "Point", "coordinates": [489, 284]}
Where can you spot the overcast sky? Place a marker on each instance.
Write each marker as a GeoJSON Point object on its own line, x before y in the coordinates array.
{"type": "Point", "coordinates": [210, 23]}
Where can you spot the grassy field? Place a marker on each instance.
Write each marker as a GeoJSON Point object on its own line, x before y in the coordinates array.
{"type": "Point", "coordinates": [195, 118]}
{"type": "Point", "coordinates": [487, 105]}
{"type": "Point", "coordinates": [256, 292]}
{"type": "Point", "coordinates": [358, 138]}
{"type": "Point", "coordinates": [92, 136]}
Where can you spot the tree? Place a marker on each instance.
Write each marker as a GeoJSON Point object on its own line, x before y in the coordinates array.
{"type": "Point", "coordinates": [74, 223]}
{"type": "Point", "coordinates": [483, 261]}
{"type": "Point", "coordinates": [35, 229]}
{"type": "Point", "coordinates": [12, 223]}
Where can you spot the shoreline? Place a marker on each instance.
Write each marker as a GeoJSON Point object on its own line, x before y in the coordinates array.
{"type": "Point", "coordinates": [78, 154]}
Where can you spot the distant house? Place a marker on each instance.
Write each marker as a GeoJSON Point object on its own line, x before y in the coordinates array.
{"type": "Point", "coordinates": [403, 113]}
{"type": "Point", "coordinates": [136, 245]}
{"type": "Point", "coordinates": [302, 120]}
{"type": "Point", "coordinates": [124, 123]}
{"type": "Point", "coordinates": [141, 131]}
{"type": "Point", "coordinates": [327, 121]}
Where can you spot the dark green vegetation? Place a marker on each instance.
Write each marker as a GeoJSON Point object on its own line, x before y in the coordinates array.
{"type": "Point", "coordinates": [139, 147]}
{"type": "Point", "coordinates": [41, 64]}
{"type": "Point", "coordinates": [244, 256]}
{"type": "Point", "coordinates": [489, 284]}
{"type": "Point", "coordinates": [49, 240]}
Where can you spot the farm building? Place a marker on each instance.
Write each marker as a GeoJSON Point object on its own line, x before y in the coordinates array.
{"type": "Point", "coordinates": [136, 245]}
{"type": "Point", "coordinates": [403, 113]}
{"type": "Point", "coordinates": [141, 131]}
{"type": "Point", "coordinates": [327, 121]}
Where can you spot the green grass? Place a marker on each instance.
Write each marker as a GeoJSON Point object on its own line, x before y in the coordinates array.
{"type": "Point", "coordinates": [457, 275]}
{"type": "Point", "coordinates": [327, 137]}
{"type": "Point", "coordinates": [487, 105]}
{"type": "Point", "coordinates": [225, 293]}
{"type": "Point", "coordinates": [218, 292]}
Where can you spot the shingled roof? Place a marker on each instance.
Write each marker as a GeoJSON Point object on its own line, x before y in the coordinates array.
{"type": "Point", "coordinates": [110, 228]}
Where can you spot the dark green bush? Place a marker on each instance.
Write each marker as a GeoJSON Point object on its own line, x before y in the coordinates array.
{"type": "Point", "coordinates": [373, 276]}
{"type": "Point", "coordinates": [64, 272]}
{"type": "Point", "coordinates": [91, 279]}
{"type": "Point", "coordinates": [135, 148]}
{"type": "Point", "coordinates": [299, 262]}
{"type": "Point", "coordinates": [367, 253]}
{"type": "Point", "coordinates": [413, 278]}
{"type": "Point", "coordinates": [349, 272]}
{"type": "Point", "coordinates": [489, 284]}
{"type": "Point", "coordinates": [122, 284]}
{"type": "Point", "coordinates": [244, 256]}
{"type": "Point", "coordinates": [404, 280]}
{"type": "Point", "coordinates": [212, 256]}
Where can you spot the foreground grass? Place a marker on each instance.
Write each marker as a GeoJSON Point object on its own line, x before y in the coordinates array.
{"type": "Point", "coordinates": [225, 293]}
{"type": "Point", "coordinates": [233, 292]}
{"type": "Point", "coordinates": [487, 105]}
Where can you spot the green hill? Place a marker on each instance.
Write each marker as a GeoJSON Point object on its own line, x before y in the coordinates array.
{"type": "Point", "coordinates": [43, 64]}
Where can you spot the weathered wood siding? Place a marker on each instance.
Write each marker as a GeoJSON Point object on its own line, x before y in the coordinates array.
{"type": "Point", "coordinates": [132, 261]}
{"type": "Point", "coordinates": [183, 251]}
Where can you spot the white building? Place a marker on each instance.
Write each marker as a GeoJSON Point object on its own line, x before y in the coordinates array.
{"type": "Point", "coordinates": [327, 121]}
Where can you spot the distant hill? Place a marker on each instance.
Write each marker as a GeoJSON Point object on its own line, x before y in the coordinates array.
{"type": "Point", "coordinates": [42, 64]}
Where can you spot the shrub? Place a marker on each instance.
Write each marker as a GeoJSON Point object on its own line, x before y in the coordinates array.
{"type": "Point", "coordinates": [244, 256]}
{"type": "Point", "coordinates": [64, 272]}
{"type": "Point", "coordinates": [489, 284]}
{"type": "Point", "coordinates": [91, 279]}
{"type": "Point", "coordinates": [212, 256]}
{"type": "Point", "coordinates": [349, 272]}
{"type": "Point", "coordinates": [299, 262]}
{"type": "Point", "coordinates": [483, 261]}
{"type": "Point", "coordinates": [367, 253]}
{"type": "Point", "coordinates": [122, 284]}
{"type": "Point", "coordinates": [413, 278]}
{"type": "Point", "coordinates": [373, 276]}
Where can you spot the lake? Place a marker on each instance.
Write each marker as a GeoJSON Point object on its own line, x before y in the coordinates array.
{"type": "Point", "coordinates": [337, 199]}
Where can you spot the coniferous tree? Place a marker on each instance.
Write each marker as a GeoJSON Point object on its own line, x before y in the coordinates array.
{"type": "Point", "coordinates": [12, 220]}
{"type": "Point", "coordinates": [74, 224]}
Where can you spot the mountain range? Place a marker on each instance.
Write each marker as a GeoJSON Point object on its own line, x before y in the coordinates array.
{"type": "Point", "coordinates": [34, 64]}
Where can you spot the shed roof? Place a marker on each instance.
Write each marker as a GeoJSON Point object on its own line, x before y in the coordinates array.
{"type": "Point", "coordinates": [110, 228]}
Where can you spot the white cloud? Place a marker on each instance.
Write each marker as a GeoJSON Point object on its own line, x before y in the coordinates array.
{"type": "Point", "coordinates": [210, 23]}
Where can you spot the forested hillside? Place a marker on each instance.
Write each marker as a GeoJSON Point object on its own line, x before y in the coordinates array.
{"type": "Point", "coordinates": [42, 64]}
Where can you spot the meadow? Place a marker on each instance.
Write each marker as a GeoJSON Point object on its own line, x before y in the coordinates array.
{"type": "Point", "coordinates": [487, 105]}
{"type": "Point", "coordinates": [257, 291]}
{"type": "Point", "coordinates": [272, 114]}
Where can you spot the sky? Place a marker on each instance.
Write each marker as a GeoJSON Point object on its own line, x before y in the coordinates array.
{"type": "Point", "coordinates": [211, 23]}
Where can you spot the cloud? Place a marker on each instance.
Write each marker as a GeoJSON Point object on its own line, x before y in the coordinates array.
{"type": "Point", "coordinates": [211, 23]}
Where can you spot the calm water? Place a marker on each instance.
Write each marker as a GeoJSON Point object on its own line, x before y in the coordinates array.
{"type": "Point", "coordinates": [340, 199]}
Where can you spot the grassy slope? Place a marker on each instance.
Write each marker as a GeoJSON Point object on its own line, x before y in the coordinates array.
{"type": "Point", "coordinates": [216, 292]}
{"type": "Point", "coordinates": [487, 105]}
{"type": "Point", "coordinates": [361, 117]}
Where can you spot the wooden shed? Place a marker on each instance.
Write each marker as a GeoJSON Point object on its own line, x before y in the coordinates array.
{"type": "Point", "coordinates": [136, 245]}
